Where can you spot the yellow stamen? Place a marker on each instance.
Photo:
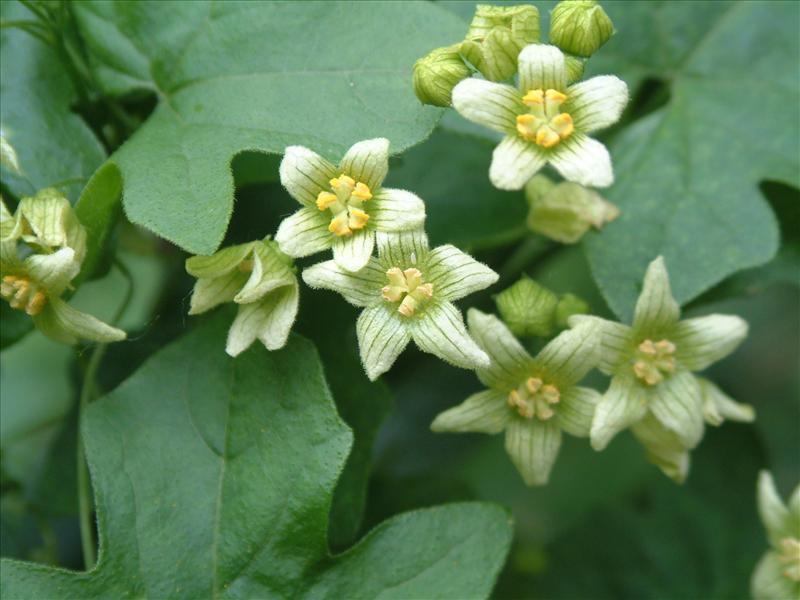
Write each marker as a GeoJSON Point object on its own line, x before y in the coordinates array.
{"type": "Point", "coordinates": [533, 384]}
{"type": "Point", "coordinates": [343, 181]}
{"type": "Point", "coordinates": [339, 226]}
{"type": "Point", "coordinates": [554, 96]}
{"type": "Point", "coordinates": [408, 288]}
{"type": "Point", "coordinates": [36, 304]}
{"type": "Point", "coordinates": [362, 192]}
{"type": "Point", "coordinates": [325, 199]}
{"type": "Point", "coordinates": [526, 126]}
{"type": "Point", "coordinates": [563, 125]}
{"type": "Point", "coordinates": [546, 137]}
{"type": "Point", "coordinates": [358, 218]}
{"type": "Point", "coordinates": [654, 360]}
{"type": "Point", "coordinates": [534, 97]}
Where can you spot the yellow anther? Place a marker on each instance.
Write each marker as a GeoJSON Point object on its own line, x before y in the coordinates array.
{"type": "Point", "coordinates": [362, 192]}
{"type": "Point", "coordinates": [563, 126]}
{"type": "Point", "coordinates": [654, 360]}
{"type": "Point", "coordinates": [533, 384]}
{"type": "Point", "coordinates": [407, 306]}
{"type": "Point", "coordinates": [550, 394]}
{"type": "Point", "coordinates": [343, 181]}
{"type": "Point", "coordinates": [325, 199]}
{"type": "Point", "coordinates": [555, 96]}
{"type": "Point", "coordinates": [665, 347]}
{"type": "Point", "coordinates": [533, 399]}
{"type": "Point", "coordinates": [790, 556]}
{"type": "Point", "coordinates": [425, 290]}
{"type": "Point", "coordinates": [648, 347]}
{"type": "Point", "coordinates": [413, 277]}
{"type": "Point", "coordinates": [36, 304]}
{"type": "Point", "coordinates": [526, 126]}
{"type": "Point", "coordinates": [339, 226]}
{"type": "Point", "coordinates": [22, 286]}
{"type": "Point", "coordinates": [358, 218]}
{"type": "Point", "coordinates": [546, 137]}
{"type": "Point", "coordinates": [533, 97]}
{"type": "Point", "coordinates": [408, 288]}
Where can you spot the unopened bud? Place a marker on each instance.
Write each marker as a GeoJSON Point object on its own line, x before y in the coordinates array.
{"type": "Point", "coordinates": [497, 35]}
{"type": "Point", "coordinates": [575, 66]}
{"type": "Point", "coordinates": [437, 74]}
{"type": "Point", "coordinates": [580, 27]}
{"type": "Point", "coordinates": [568, 305]}
{"type": "Point", "coordinates": [528, 308]}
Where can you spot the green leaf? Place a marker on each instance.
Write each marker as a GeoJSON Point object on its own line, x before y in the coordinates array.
{"type": "Point", "coordinates": [213, 478]}
{"type": "Point", "coordinates": [450, 173]}
{"type": "Point", "coordinates": [688, 173]}
{"type": "Point", "coordinates": [55, 147]}
{"type": "Point", "coordinates": [238, 76]}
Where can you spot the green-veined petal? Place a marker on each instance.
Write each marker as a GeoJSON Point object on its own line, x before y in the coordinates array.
{"type": "Point", "coordinates": [542, 67]}
{"type": "Point", "coordinates": [213, 291]}
{"type": "Point", "coordinates": [220, 263]}
{"type": "Point", "coordinates": [509, 363]}
{"type": "Point", "coordinates": [53, 271]}
{"type": "Point", "coordinates": [656, 309]}
{"type": "Point", "coordinates": [514, 162]}
{"type": "Point", "coordinates": [678, 404]}
{"type": "Point", "coordinates": [269, 272]}
{"type": "Point", "coordinates": [718, 406]}
{"type": "Point", "coordinates": [583, 160]}
{"type": "Point", "coordinates": [705, 340]}
{"type": "Point", "coordinates": [59, 321]}
{"type": "Point", "coordinates": [305, 174]}
{"type": "Point", "coordinates": [269, 320]}
{"type": "Point", "coordinates": [368, 162]}
{"type": "Point", "coordinates": [774, 513]}
{"type": "Point", "coordinates": [402, 249]}
{"type": "Point", "coordinates": [568, 357]}
{"type": "Point", "coordinates": [615, 340]}
{"type": "Point", "coordinates": [597, 102]}
{"type": "Point", "coordinates": [664, 448]}
{"type": "Point", "coordinates": [624, 403]}
{"type": "Point", "coordinates": [440, 331]}
{"type": "Point", "coordinates": [352, 252]}
{"type": "Point", "coordinates": [484, 412]}
{"type": "Point", "coordinates": [533, 447]}
{"type": "Point", "coordinates": [382, 336]}
{"type": "Point", "coordinates": [493, 105]}
{"type": "Point", "coordinates": [576, 409]}
{"type": "Point", "coordinates": [360, 289]}
{"type": "Point", "coordinates": [769, 582]}
{"type": "Point", "coordinates": [396, 210]}
{"type": "Point", "coordinates": [455, 274]}
{"type": "Point", "coordinates": [305, 232]}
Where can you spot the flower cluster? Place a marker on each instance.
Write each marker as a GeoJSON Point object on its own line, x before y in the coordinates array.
{"type": "Point", "coordinates": [653, 389]}
{"type": "Point", "coordinates": [42, 247]}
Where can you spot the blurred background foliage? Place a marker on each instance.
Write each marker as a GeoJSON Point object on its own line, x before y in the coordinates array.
{"type": "Point", "coordinates": [609, 525]}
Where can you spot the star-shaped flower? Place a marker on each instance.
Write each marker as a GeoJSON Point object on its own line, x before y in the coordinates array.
{"type": "Point", "coordinates": [545, 120]}
{"type": "Point", "coordinates": [407, 293]}
{"type": "Point", "coordinates": [652, 364]}
{"type": "Point", "coordinates": [343, 206]}
{"type": "Point", "coordinates": [777, 575]}
{"type": "Point", "coordinates": [531, 399]}
{"type": "Point", "coordinates": [41, 250]}
{"type": "Point", "coordinates": [261, 280]}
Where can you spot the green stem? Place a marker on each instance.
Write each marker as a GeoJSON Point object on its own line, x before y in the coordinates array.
{"type": "Point", "coordinates": [88, 392]}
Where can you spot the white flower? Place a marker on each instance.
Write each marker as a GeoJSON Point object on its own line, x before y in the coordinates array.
{"type": "Point", "coordinates": [343, 206]}
{"type": "Point", "coordinates": [407, 293]}
{"type": "Point", "coordinates": [545, 120]}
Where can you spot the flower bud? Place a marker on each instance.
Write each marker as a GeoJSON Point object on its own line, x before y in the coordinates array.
{"type": "Point", "coordinates": [437, 74]}
{"type": "Point", "coordinates": [565, 211]}
{"type": "Point", "coordinates": [580, 27]}
{"type": "Point", "coordinates": [528, 308]}
{"type": "Point", "coordinates": [568, 305]}
{"type": "Point", "coordinates": [496, 36]}
{"type": "Point", "coordinates": [575, 66]}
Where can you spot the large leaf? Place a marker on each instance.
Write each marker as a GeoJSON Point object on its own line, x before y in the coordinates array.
{"type": "Point", "coordinates": [235, 76]}
{"type": "Point", "coordinates": [213, 478]}
{"type": "Point", "coordinates": [54, 146]}
{"type": "Point", "coordinates": [687, 174]}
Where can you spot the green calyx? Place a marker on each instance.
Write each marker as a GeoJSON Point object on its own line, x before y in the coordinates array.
{"type": "Point", "coordinates": [580, 27]}
{"type": "Point", "coordinates": [436, 74]}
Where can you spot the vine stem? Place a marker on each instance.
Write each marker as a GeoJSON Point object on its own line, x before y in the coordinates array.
{"type": "Point", "coordinates": [88, 392]}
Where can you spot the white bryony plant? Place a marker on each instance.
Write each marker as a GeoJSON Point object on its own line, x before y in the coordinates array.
{"type": "Point", "coordinates": [652, 364]}
{"type": "Point", "coordinates": [777, 575]}
{"type": "Point", "coordinates": [261, 280]}
{"type": "Point", "coordinates": [42, 247]}
{"type": "Point", "coordinates": [343, 206]}
{"type": "Point", "coordinates": [531, 399]}
{"type": "Point", "coordinates": [407, 293]}
{"type": "Point", "coordinates": [545, 120]}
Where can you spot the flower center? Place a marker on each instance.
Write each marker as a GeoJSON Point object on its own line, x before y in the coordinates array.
{"type": "Point", "coordinates": [790, 556]}
{"type": "Point", "coordinates": [407, 288]}
{"type": "Point", "coordinates": [23, 294]}
{"type": "Point", "coordinates": [544, 124]}
{"type": "Point", "coordinates": [534, 399]}
{"type": "Point", "coordinates": [654, 361]}
{"type": "Point", "coordinates": [346, 204]}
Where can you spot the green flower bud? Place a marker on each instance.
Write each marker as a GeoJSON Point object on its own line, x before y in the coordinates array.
{"type": "Point", "coordinates": [575, 66]}
{"type": "Point", "coordinates": [565, 211]}
{"type": "Point", "coordinates": [580, 27]}
{"type": "Point", "coordinates": [528, 308]}
{"type": "Point", "coordinates": [496, 36]}
{"type": "Point", "coordinates": [437, 74]}
{"type": "Point", "coordinates": [568, 305]}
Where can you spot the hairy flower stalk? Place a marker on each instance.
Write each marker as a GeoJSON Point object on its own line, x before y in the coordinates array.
{"type": "Point", "coordinates": [42, 247]}
{"type": "Point", "coordinates": [343, 206]}
{"type": "Point", "coordinates": [407, 293]}
{"type": "Point", "coordinates": [545, 120]}
{"type": "Point", "coordinates": [777, 575]}
{"type": "Point", "coordinates": [261, 280]}
{"type": "Point", "coordinates": [532, 399]}
{"type": "Point", "coordinates": [653, 388]}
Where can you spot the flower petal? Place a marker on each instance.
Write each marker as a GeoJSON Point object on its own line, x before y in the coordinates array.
{"type": "Point", "coordinates": [440, 331]}
{"type": "Point", "coordinates": [367, 162]}
{"type": "Point", "coordinates": [656, 309]}
{"type": "Point", "coordinates": [220, 263]}
{"type": "Point", "coordinates": [769, 582]}
{"type": "Point", "coordinates": [509, 361]}
{"type": "Point", "coordinates": [597, 102]}
{"type": "Point", "coordinates": [211, 292]}
{"type": "Point", "coordinates": [576, 410]}
{"type": "Point", "coordinates": [269, 320]}
{"type": "Point", "coordinates": [568, 357]}
{"type": "Point", "coordinates": [269, 272]}
{"type": "Point", "coordinates": [360, 289]}
{"type": "Point", "coordinates": [455, 274]}
{"type": "Point", "coordinates": [402, 249]}
{"type": "Point", "coordinates": [53, 271]}
{"type": "Point", "coordinates": [542, 67]}
{"type": "Point", "coordinates": [664, 448]}
{"type": "Point", "coordinates": [59, 321]}
{"type": "Point", "coordinates": [514, 162]}
{"type": "Point", "coordinates": [678, 403]}
{"type": "Point", "coordinates": [382, 336]}
{"type": "Point", "coordinates": [705, 340]}
{"type": "Point", "coordinates": [623, 404]}
{"type": "Point", "coordinates": [305, 174]}
{"type": "Point", "coordinates": [396, 210]}
{"type": "Point", "coordinates": [484, 412]}
{"type": "Point", "coordinates": [774, 513]}
{"type": "Point", "coordinates": [304, 233]}
{"type": "Point", "coordinates": [493, 105]}
{"type": "Point", "coordinates": [718, 406]}
{"type": "Point", "coordinates": [583, 160]}
{"type": "Point", "coordinates": [352, 252]}
{"type": "Point", "coordinates": [533, 447]}
{"type": "Point", "coordinates": [615, 340]}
